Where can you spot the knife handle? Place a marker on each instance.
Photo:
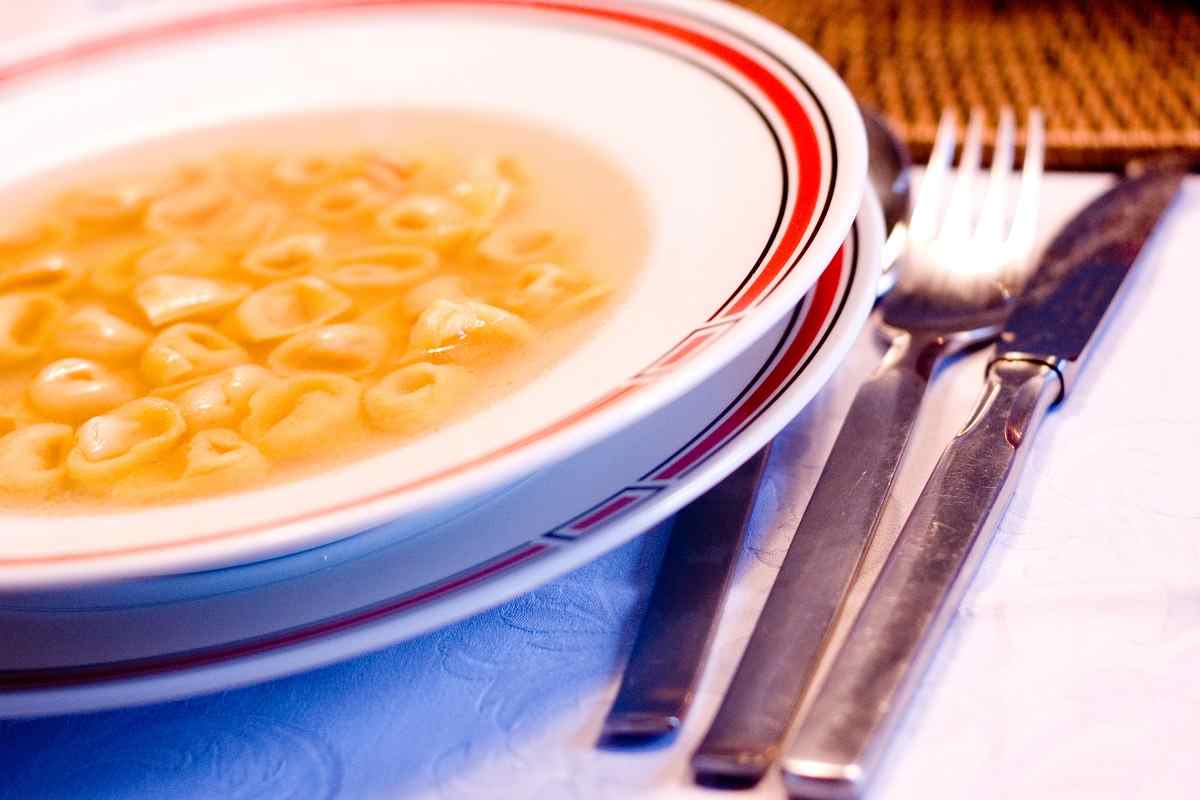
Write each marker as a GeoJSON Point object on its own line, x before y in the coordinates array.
{"type": "Point", "coordinates": [840, 740]}
{"type": "Point", "coordinates": [744, 739]}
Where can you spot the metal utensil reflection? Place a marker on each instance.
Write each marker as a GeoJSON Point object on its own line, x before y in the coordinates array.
{"type": "Point", "coordinates": [672, 643]}
{"type": "Point", "coordinates": [961, 271]}
{"type": "Point", "coordinates": [1047, 337]}
{"type": "Point", "coordinates": [889, 166]}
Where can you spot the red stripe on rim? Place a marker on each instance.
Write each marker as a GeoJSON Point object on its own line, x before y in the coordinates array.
{"type": "Point", "coordinates": [73, 676]}
{"type": "Point", "coordinates": [791, 111]}
{"type": "Point", "coordinates": [824, 295]}
{"type": "Point", "coordinates": [605, 511]}
{"type": "Point", "coordinates": [689, 348]}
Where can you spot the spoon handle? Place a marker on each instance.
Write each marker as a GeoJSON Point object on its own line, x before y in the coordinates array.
{"type": "Point", "coordinates": [676, 633]}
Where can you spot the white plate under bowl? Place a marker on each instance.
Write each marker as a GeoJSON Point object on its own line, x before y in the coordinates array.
{"type": "Point", "coordinates": [87, 649]}
{"type": "Point", "coordinates": [747, 149]}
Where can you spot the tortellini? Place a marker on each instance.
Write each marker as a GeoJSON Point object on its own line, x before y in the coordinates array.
{"type": "Point", "coordinates": [247, 226]}
{"type": "Point", "coordinates": [54, 273]}
{"type": "Point", "coordinates": [305, 171]}
{"type": "Point", "coordinates": [95, 333]}
{"type": "Point", "coordinates": [188, 350]}
{"type": "Point", "coordinates": [210, 461]}
{"type": "Point", "coordinates": [445, 287]}
{"type": "Point", "coordinates": [343, 202]}
{"type": "Point", "coordinates": [169, 298]}
{"type": "Point", "coordinates": [297, 415]}
{"type": "Point", "coordinates": [220, 400]}
{"type": "Point", "coordinates": [413, 398]}
{"type": "Point", "coordinates": [288, 307]}
{"type": "Point", "coordinates": [73, 389]}
{"type": "Point", "coordinates": [395, 172]}
{"type": "Point", "coordinates": [19, 236]}
{"type": "Point", "coordinates": [384, 269]}
{"type": "Point", "coordinates": [34, 459]}
{"type": "Point", "coordinates": [489, 188]}
{"type": "Point", "coordinates": [115, 271]}
{"type": "Point", "coordinates": [15, 414]}
{"type": "Point", "coordinates": [346, 349]}
{"type": "Point", "coordinates": [286, 258]}
{"type": "Point", "coordinates": [181, 257]}
{"type": "Point", "coordinates": [396, 317]}
{"type": "Point", "coordinates": [425, 220]}
{"type": "Point", "coordinates": [26, 322]}
{"type": "Point", "coordinates": [191, 210]}
{"type": "Point", "coordinates": [219, 459]}
{"type": "Point", "coordinates": [516, 246]}
{"type": "Point", "coordinates": [212, 328]}
{"type": "Point", "coordinates": [468, 330]}
{"type": "Point", "coordinates": [106, 208]}
{"type": "Point", "coordinates": [113, 445]}
{"type": "Point", "coordinates": [546, 288]}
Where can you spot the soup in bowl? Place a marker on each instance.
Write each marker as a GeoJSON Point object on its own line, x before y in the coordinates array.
{"type": "Point", "coordinates": [321, 288]}
{"type": "Point", "coordinates": [297, 270]}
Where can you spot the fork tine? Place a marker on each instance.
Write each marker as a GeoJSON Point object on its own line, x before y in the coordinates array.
{"type": "Point", "coordinates": [989, 230]}
{"type": "Point", "coordinates": [929, 196]}
{"type": "Point", "coordinates": [1024, 227]}
{"type": "Point", "coordinates": [957, 222]}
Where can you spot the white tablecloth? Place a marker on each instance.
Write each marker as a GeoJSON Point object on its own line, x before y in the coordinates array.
{"type": "Point", "coordinates": [1071, 671]}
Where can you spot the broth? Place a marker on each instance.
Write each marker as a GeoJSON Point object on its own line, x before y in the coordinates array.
{"type": "Point", "coordinates": [233, 306]}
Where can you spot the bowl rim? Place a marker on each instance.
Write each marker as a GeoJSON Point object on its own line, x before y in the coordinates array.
{"type": "Point", "coordinates": [763, 52]}
{"type": "Point", "coordinates": [441, 597]}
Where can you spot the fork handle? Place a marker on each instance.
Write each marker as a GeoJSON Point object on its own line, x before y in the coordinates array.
{"type": "Point", "coordinates": [840, 740]}
{"type": "Point", "coordinates": [823, 557]}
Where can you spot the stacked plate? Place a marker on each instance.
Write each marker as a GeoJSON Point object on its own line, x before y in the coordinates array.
{"type": "Point", "coordinates": [751, 158]}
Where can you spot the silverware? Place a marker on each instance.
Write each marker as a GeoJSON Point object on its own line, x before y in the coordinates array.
{"type": "Point", "coordinates": [944, 303]}
{"type": "Point", "coordinates": [889, 168]}
{"type": "Point", "coordinates": [706, 538]}
{"type": "Point", "coordinates": [676, 633]}
{"type": "Point", "coordinates": [840, 740]}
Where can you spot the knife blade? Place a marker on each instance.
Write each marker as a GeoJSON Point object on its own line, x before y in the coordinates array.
{"type": "Point", "coordinates": [673, 641]}
{"type": "Point", "coordinates": [1072, 290]}
{"type": "Point", "coordinates": [840, 740]}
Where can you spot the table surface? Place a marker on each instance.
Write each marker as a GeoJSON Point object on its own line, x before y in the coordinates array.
{"type": "Point", "coordinates": [1070, 671]}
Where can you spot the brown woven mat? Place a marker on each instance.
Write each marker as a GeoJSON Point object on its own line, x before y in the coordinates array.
{"type": "Point", "coordinates": [1115, 79]}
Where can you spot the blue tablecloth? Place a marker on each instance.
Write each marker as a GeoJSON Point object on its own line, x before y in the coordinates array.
{"type": "Point", "coordinates": [414, 718]}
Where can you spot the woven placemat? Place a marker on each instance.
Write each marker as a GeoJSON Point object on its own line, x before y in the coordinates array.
{"type": "Point", "coordinates": [1115, 79]}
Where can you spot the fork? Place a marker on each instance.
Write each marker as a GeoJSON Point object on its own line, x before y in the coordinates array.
{"type": "Point", "coordinates": [962, 272]}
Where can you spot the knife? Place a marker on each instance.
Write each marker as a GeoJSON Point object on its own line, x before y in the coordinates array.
{"type": "Point", "coordinates": [676, 633]}
{"type": "Point", "coordinates": [841, 738]}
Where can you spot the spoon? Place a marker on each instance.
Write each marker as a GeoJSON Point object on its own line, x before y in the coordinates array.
{"type": "Point", "coordinates": [889, 167]}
